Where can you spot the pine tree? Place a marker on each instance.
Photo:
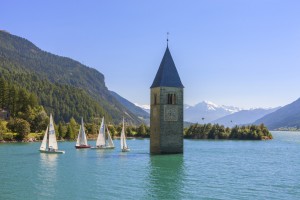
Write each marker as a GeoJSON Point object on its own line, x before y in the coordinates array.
{"type": "Point", "coordinates": [70, 133]}
{"type": "Point", "coordinates": [12, 98]}
{"type": "Point", "coordinates": [61, 131]}
{"type": "Point", "coordinates": [3, 93]}
{"type": "Point", "coordinates": [73, 126]}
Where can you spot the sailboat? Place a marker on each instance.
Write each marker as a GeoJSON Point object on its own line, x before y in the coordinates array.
{"type": "Point", "coordinates": [102, 142]}
{"type": "Point", "coordinates": [81, 142]}
{"type": "Point", "coordinates": [49, 143]}
{"type": "Point", "coordinates": [124, 146]}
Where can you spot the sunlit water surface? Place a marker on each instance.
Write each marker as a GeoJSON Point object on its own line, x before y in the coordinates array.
{"type": "Point", "coordinates": [208, 169]}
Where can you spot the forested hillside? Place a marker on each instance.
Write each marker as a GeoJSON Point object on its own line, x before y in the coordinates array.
{"type": "Point", "coordinates": [25, 113]}
{"type": "Point", "coordinates": [133, 108]}
{"type": "Point", "coordinates": [63, 86]}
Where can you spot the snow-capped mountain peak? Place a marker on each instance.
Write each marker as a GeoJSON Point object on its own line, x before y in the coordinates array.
{"type": "Point", "coordinates": [231, 109]}
{"type": "Point", "coordinates": [143, 106]}
{"type": "Point", "coordinates": [210, 105]}
{"type": "Point", "coordinates": [205, 111]}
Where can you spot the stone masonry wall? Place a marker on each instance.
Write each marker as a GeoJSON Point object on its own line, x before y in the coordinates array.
{"type": "Point", "coordinates": [166, 122]}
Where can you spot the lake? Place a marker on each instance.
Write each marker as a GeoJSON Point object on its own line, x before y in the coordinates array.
{"type": "Point", "coordinates": [208, 169]}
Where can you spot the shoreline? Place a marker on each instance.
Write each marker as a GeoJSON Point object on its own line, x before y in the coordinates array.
{"type": "Point", "coordinates": [130, 138]}
{"type": "Point", "coordinates": [30, 140]}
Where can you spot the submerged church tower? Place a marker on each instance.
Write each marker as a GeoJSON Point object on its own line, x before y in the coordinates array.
{"type": "Point", "coordinates": [166, 112]}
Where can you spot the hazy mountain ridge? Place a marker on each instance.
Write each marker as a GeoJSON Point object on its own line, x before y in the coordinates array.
{"type": "Point", "coordinates": [206, 112]}
{"type": "Point", "coordinates": [230, 115]}
{"type": "Point", "coordinates": [146, 108]}
{"type": "Point", "coordinates": [138, 111]}
{"type": "Point", "coordinates": [286, 116]}
{"type": "Point", "coordinates": [273, 118]}
{"type": "Point", "coordinates": [244, 117]}
{"type": "Point", "coordinates": [206, 109]}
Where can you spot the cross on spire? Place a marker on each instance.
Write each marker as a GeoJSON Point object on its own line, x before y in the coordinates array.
{"type": "Point", "coordinates": [168, 38]}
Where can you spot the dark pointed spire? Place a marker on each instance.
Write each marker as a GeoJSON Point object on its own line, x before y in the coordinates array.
{"type": "Point", "coordinates": [167, 75]}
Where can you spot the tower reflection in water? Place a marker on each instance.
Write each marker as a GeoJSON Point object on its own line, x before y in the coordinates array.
{"type": "Point", "coordinates": [166, 176]}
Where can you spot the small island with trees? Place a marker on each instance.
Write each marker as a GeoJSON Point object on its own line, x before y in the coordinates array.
{"type": "Point", "coordinates": [216, 131]}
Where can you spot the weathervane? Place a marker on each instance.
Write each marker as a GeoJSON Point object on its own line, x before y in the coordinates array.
{"type": "Point", "coordinates": [168, 38]}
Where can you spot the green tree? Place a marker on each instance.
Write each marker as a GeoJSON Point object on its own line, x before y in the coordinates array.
{"type": "Point", "coordinates": [37, 118]}
{"type": "Point", "coordinates": [70, 135]}
{"type": "Point", "coordinates": [32, 100]}
{"type": "Point", "coordinates": [40, 121]}
{"type": "Point", "coordinates": [20, 126]}
{"type": "Point", "coordinates": [208, 131]}
{"type": "Point", "coordinates": [71, 129]}
{"type": "Point", "coordinates": [2, 129]}
{"type": "Point", "coordinates": [112, 130]}
{"type": "Point", "coordinates": [3, 93]}
{"type": "Point", "coordinates": [142, 130]}
{"type": "Point", "coordinates": [61, 131]}
{"type": "Point", "coordinates": [23, 100]}
{"type": "Point", "coordinates": [93, 129]}
{"type": "Point", "coordinates": [12, 99]}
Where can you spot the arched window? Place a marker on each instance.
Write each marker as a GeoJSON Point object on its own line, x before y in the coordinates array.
{"type": "Point", "coordinates": [155, 99]}
{"type": "Point", "coordinates": [171, 99]}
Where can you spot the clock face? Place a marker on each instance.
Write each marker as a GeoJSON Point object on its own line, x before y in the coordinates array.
{"type": "Point", "coordinates": [171, 113]}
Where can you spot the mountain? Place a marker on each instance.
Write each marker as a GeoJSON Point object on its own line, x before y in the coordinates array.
{"type": "Point", "coordinates": [136, 110]}
{"type": "Point", "coordinates": [206, 112]}
{"type": "Point", "coordinates": [285, 117]}
{"type": "Point", "coordinates": [206, 109]}
{"type": "Point", "coordinates": [64, 86]}
{"type": "Point", "coordinates": [243, 117]}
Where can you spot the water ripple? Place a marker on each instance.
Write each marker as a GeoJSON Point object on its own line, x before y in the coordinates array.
{"type": "Point", "coordinates": [207, 170]}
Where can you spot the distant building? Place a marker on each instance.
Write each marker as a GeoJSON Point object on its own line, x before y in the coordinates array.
{"type": "Point", "coordinates": [166, 110]}
{"type": "Point", "coordinates": [4, 115]}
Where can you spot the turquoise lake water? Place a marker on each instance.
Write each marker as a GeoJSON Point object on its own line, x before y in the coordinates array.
{"type": "Point", "coordinates": [207, 170]}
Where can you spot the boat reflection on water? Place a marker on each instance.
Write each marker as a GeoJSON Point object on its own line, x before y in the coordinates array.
{"type": "Point", "coordinates": [47, 175]}
{"type": "Point", "coordinates": [166, 176]}
{"type": "Point", "coordinates": [48, 161]}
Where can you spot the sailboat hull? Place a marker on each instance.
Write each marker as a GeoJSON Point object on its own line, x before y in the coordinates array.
{"type": "Point", "coordinates": [102, 147]}
{"type": "Point", "coordinates": [125, 150]}
{"type": "Point", "coordinates": [52, 152]}
{"type": "Point", "coordinates": [83, 147]}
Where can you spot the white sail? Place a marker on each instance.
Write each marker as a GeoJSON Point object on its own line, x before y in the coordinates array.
{"type": "Point", "coordinates": [109, 140]}
{"type": "Point", "coordinates": [81, 139]}
{"type": "Point", "coordinates": [101, 136]}
{"type": "Point", "coordinates": [44, 142]}
{"type": "Point", "coordinates": [123, 138]}
{"type": "Point", "coordinates": [49, 143]}
{"type": "Point", "coordinates": [84, 140]}
{"type": "Point", "coordinates": [78, 137]}
{"type": "Point", "coordinates": [52, 137]}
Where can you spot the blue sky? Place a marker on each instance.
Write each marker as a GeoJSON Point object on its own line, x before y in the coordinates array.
{"type": "Point", "coordinates": [244, 53]}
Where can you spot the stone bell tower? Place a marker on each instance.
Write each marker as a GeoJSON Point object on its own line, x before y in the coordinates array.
{"type": "Point", "coordinates": [166, 109]}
